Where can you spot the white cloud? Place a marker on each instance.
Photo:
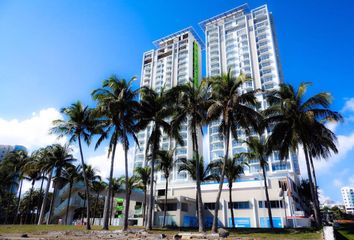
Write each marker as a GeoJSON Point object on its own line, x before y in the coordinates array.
{"type": "Point", "coordinates": [337, 183]}
{"type": "Point", "coordinates": [102, 163]}
{"type": "Point", "coordinates": [32, 132]}
{"type": "Point", "coordinates": [345, 145]}
{"type": "Point", "coordinates": [349, 105]}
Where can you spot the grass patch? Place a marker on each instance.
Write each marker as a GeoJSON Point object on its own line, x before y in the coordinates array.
{"type": "Point", "coordinates": [46, 228]}
{"type": "Point", "coordinates": [257, 233]}
{"type": "Point", "coordinates": [345, 231]}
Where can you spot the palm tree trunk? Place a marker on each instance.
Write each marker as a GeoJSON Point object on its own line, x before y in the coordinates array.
{"type": "Point", "coordinates": [126, 209]}
{"type": "Point", "coordinates": [315, 183]}
{"type": "Point", "coordinates": [231, 207]}
{"type": "Point", "coordinates": [107, 203]}
{"type": "Point", "coordinates": [315, 210]}
{"type": "Point", "coordinates": [199, 192]}
{"type": "Point", "coordinates": [267, 197]}
{"type": "Point", "coordinates": [144, 206]}
{"type": "Point", "coordinates": [95, 211]}
{"type": "Point", "coordinates": [217, 202]}
{"type": "Point", "coordinates": [18, 202]}
{"type": "Point", "coordinates": [165, 203]}
{"type": "Point", "coordinates": [88, 226]}
{"type": "Point", "coordinates": [67, 206]}
{"type": "Point", "coordinates": [40, 198]}
{"type": "Point", "coordinates": [28, 210]}
{"type": "Point", "coordinates": [111, 208]}
{"type": "Point", "coordinates": [151, 197]}
{"type": "Point", "coordinates": [51, 206]}
{"type": "Point", "coordinates": [44, 202]}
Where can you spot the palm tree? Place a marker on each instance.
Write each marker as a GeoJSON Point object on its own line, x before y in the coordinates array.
{"type": "Point", "coordinates": [70, 174]}
{"type": "Point", "coordinates": [296, 122]}
{"type": "Point", "coordinates": [14, 163]}
{"type": "Point", "coordinates": [118, 105]}
{"type": "Point", "coordinates": [32, 175]}
{"type": "Point", "coordinates": [116, 188]}
{"type": "Point", "coordinates": [165, 164]}
{"type": "Point", "coordinates": [206, 174]}
{"type": "Point", "coordinates": [143, 173]}
{"type": "Point", "coordinates": [47, 167]}
{"type": "Point", "coordinates": [80, 124]}
{"type": "Point", "coordinates": [97, 187]}
{"type": "Point", "coordinates": [259, 150]}
{"type": "Point", "coordinates": [132, 183]}
{"type": "Point", "coordinates": [233, 170]}
{"type": "Point", "coordinates": [191, 106]}
{"type": "Point", "coordinates": [235, 109]}
{"type": "Point", "coordinates": [155, 109]}
{"type": "Point", "coordinates": [60, 158]}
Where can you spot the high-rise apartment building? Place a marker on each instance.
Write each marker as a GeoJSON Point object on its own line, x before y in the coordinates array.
{"type": "Point", "coordinates": [348, 199]}
{"type": "Point", "coordinates": [243, 41]}
{"type": "Point", "coordinates": [176, 60]}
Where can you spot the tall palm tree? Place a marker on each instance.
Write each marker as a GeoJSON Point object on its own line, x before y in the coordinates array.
{"type": "Point", "coordinates": [47, 167]}
{"type": "Point", "coordinates": [233, 170]}
{"type": "Point", "coordinates": [132, 183]}
{"type": "Point", "coordinates": [70, 175]}
{"type": "Point", "coordinates": [259, 150]}
{"type": "Point", "coordinates": [155, 109]}
{"type": "Point", "coordinates": [98, 187]}
{"type": "Point", "coordinates": [116, 188]}
{"type": "Point", "coordinates": [165, 163]}
{"type": "Point", "coordinates": [60, 158]}
{"type": "Point", "coordinates": [206, 174]}
{"type": "Point", "coordinates": [191, 106]}
{"type": "Point", "coordinates": [296, 121]}
{"type": "Point", "coordinates": [118, 105]}
{"type": "Point", "coordinates": [14, 163]}
{"type": "Point", "coordinates": [80, 123]}
{"type": "Point", "coordinates": [32, 175]}
{"type": "Point", "coordinates": [143, 173]}
{"type": "Point", "coordinates": [235, 109]}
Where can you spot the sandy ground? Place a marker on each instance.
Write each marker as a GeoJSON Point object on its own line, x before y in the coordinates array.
{"type": "Point", "coordinates": [133, 234]}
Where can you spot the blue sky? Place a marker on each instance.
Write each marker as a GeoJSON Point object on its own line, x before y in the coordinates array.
{"type": "Point", "coordinates": [55, 52]}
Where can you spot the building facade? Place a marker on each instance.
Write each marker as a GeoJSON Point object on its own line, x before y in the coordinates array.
{"type": "Point", "coordinates": [175, 61]}
{"type": "Point", "coordinates": [239, 40]}
{"type": "Point", "coordinates": [348, 199]}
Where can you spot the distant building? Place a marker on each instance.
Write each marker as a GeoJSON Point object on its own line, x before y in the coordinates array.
{"type": "Point", "coordinates": [348, 199]}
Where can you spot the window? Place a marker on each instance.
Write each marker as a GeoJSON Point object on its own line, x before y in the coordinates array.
{"type": "Point", "coordinates": [273, 204]}
{"type": "Point", "coordinates": [169, 207]}
{"type": "Point", "coordinates": [184, 207]}
{"type": "Point", "coordinates": [240, 205]}
{"type": "Point", "coordinates": [210, 206]}
{"type": "Point", "coordinates": [161, 192]}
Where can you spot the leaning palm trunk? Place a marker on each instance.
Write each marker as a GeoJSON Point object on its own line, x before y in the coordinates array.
{"type": "Point", "coordinates": [67, 206]}
{"type": "Point", "coordinates": [315, 183]}
{"type": "Point", "coordinates": [44, 203]}
{"type": "Point", "coordinates": [95, 210]}
{"type": "Point", "coordinates": [199, 192]}
{"type": "Point", "coordinates": [267, 197]}
{"type": "Point", "coordinates": [313, 197]}
{"type": "Point", "coordinates": [126, 209]}
{"type": "Point", "coordinates": [28, 210]}
{"type": "Point", "coordinates": [88, 225]}
{"type": "Point", "coordinates": [217, 202]}
{"type": "Point", "coordinates": [144, 206]}
{"type": "Point", "coordinates": [40, 198]}
{"type": "Point", "coordinates": [18, 203]}
{"type": "Point", "coordinates": [107, 203]}
{"type": "Point", "coordinates": [51, 204]}
{"type": "Point", "coordinates": [165, 204]}
{"type": "Point", "coordinates": [151, 197]}
{"type": "Point", "coordinates": [231, 206]}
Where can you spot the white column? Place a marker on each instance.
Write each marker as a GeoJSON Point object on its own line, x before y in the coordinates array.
{"type": "Point", "coordinates": [255, 213]}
